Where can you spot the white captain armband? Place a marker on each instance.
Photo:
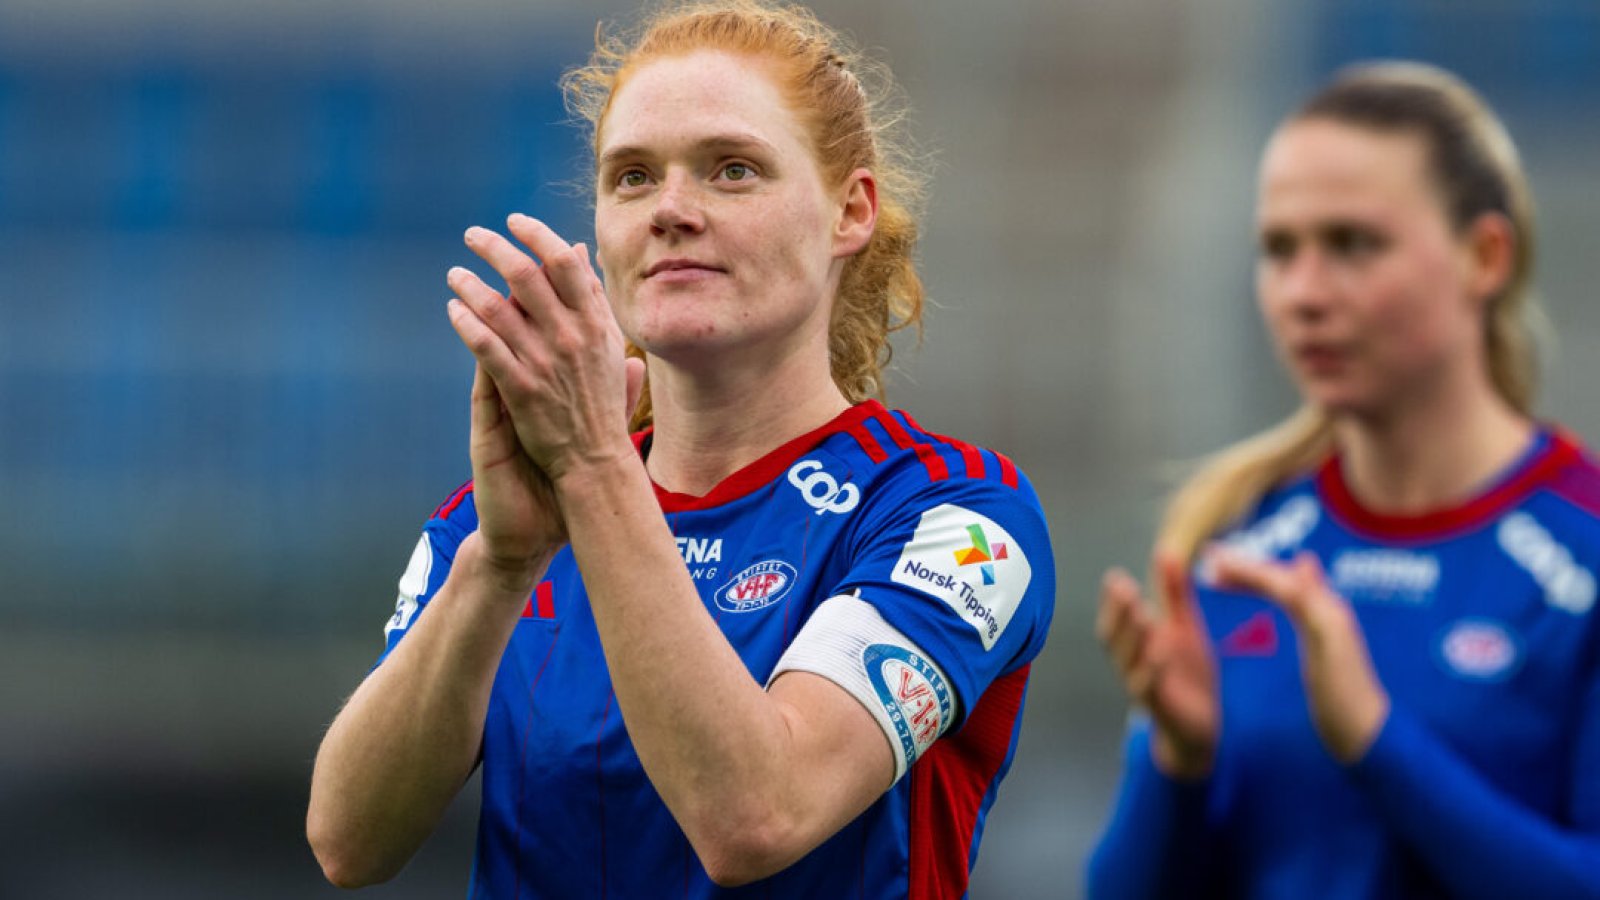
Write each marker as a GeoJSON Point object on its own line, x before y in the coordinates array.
{"type": "Point", "coordinates": [849, 643]}
{"type": "Point", "coordinates": [412, 584]}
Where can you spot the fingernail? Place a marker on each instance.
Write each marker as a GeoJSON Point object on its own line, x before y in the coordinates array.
{"type": "Point", "coordinates": [473, 233]}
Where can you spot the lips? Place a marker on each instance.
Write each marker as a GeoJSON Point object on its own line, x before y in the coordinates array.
{"type": "Point", "coordinates": [680, 265]}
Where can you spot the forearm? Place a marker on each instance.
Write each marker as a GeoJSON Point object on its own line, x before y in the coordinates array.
{"type": "Point", "coordinates": [409, 736]}
{"type": "Point", "coordinates": [720, 750]}
{"type": "Point", "coordinates": [1477, 841]}
{"type": "Point", "coordinates": [1157, 843]}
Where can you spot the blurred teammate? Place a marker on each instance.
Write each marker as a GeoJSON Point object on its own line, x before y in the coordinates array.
{"type": "Point", "coordinates": [809, 672]}
{"type": "Point", "coordinates": [1384, 681]}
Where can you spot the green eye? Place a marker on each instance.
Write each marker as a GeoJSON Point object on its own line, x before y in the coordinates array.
{"type": "Point", "coordinates": [736, 172]}
{"type": "Point", "coordinates": [631, 179]}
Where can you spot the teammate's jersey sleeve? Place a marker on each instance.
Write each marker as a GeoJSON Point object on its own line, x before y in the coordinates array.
{"type": "Point", "coordinates": [1476, 840]}
{"type": "Point", "coordinates": [963, 568]}
{"type": "Point", "coordinates": [1157, 843]}
{"type": "Point", "coordinates": [430, 562]}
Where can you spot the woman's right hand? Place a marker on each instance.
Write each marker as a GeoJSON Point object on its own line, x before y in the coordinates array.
{"type": "Point", "coordinates": [1165, 664]}
{"type": "Point", "coordinates": [519, 522]}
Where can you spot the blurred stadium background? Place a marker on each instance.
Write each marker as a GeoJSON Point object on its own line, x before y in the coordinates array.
{"type": "Point", "coordinates": [229, 395]}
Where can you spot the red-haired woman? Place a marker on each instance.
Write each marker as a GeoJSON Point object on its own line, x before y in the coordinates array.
{"type": "Point", "coordinates": [808, 672]}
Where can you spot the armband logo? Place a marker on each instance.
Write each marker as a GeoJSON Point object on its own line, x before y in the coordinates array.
{"type": "Point", "coordinates": [913, 695]}
{"type": "Point", "coordinates": [971, 563]}
{"type": "Point", "coordinates": [757, 587]}
{"type": "Point", "coordinates": [413, 583]}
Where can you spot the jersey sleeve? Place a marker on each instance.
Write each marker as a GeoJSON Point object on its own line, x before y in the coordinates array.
{"type": "Point", "coordinates": [963, 569]}
{"type": "Point", "coordinates": [1476, 840]}
{"type": "Point", "coordinates": [1157, 842]}
{"type": "Point", "coordinates": [430, 562]}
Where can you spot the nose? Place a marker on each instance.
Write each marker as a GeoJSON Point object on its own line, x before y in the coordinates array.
{"type": "Point", "coordinates": [1300, 286]}
{"type": "Point", "coordinates": [677, 206]}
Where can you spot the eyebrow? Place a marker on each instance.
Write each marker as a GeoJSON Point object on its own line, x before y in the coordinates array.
{"type": "Point", "coordinates": [736, 141]}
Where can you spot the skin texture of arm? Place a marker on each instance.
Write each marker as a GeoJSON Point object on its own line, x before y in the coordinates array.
{"type": "Point", "coordinates": [409, 736]}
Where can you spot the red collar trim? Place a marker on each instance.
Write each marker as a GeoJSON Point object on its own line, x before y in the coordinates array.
{"type": "Point", "coordinates": [1562, 451]}
{"type": "Point", "coordinates": [764, 470]}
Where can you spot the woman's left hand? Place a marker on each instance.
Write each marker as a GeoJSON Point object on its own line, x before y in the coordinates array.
{"type": "Point", "coordinates": [552, 349]}
{"type": "Point", "coordinates": [1348, 704]}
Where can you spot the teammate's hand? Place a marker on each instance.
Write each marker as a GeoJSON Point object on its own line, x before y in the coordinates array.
{"type": "Point", "coordinates": [1165, 665]}
{"type": "Point", "coordinates": [552, 349]}
{"type": "Point", "coordinates": [1348, 703]}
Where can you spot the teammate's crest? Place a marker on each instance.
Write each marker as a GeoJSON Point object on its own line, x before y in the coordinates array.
{"type": "Point", "coordinates": [757, 587]}
{"type": "Point", "coordinates": [971, 563]}
{"type": "Point", "coordinates": [1479, 649]}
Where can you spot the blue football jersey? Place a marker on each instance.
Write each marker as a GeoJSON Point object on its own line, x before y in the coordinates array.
{"type": "Point", "coordinates": [944, 540]}
{"type": "Point", "coordinates": [1484, 781]}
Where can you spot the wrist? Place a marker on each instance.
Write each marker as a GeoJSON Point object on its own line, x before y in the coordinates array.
{"type": "Point", "coordinates": [1178, 761]}
{"type": "Point", "coordinates": [505, 576]}
{"type": "Point", "coordinates": [598, 471]}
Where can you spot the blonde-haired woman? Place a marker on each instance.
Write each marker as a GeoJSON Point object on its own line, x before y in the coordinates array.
{"type": "Point", "coordinates": [1382, 681]}
{"type": "Point", "coordinates": [809, 672]}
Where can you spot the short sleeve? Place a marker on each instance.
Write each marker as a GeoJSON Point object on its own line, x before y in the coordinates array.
{"type": "Point", "coordinates": [430, 562]}
{"type": "Point", "coordinates": [964, 568]}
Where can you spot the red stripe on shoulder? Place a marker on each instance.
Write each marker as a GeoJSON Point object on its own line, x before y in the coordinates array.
{"type": "Point", "coordinates": [971, 456]}
{"type": "Point", "coordinates": [948, 787]}
{"type": "Point", "coordinates": [869, 444]}
{"type": "Point", "coordinates": [453, 501]}
{"type": "Point", "coordinates": [1579, 482]}
{"type": "Point", "coordinates": [1008, 470]}
{"type": "Point", "coordinates": [937, 470]}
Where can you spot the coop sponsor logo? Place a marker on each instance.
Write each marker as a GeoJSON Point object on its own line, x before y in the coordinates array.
{"type": "Point", "coordinates": [1567, 585]}
{"type": "Point", "coordinates": [757, 587]}
{"type": "Point", "coordinates": [971, 563]}
{"type": "Point", "coordinates": [821, 491]}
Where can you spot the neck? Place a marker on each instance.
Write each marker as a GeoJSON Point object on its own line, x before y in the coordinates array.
{"type": "Point", "coordinates": [1434, 455]}
{"type": "Point", "coordinates": [709, 425]}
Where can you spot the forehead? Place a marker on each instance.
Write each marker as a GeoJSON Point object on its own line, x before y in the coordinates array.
{"type": "Point", "coordinates": [703, 94]}
{"type": "Point", "coordinates": [1323, 168]}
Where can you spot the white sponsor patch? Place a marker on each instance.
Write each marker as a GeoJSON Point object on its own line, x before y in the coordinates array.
{"type": "Point", "coordinates": [1567, 585]}
{"type": "Point", "coordinates": [413, 582]}
{"type": "Point", "coordinates": [1284, 530]}
{"type": "Point", "coordinates": [912, 693]}
{"type": "Point", "coordinates": [1383, 575]}
{"type": "Point", "coordinates": [757, 587]}
{"type": "Point", "coordinates": [823, 492]}
{"type": "Point", "coordinates": [1478, 649]}
{"type": "Point", "coordinates": [967, 560]}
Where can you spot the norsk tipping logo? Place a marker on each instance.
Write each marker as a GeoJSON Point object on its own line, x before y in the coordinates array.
{"type": "Point", "coordinates": [980, 554]}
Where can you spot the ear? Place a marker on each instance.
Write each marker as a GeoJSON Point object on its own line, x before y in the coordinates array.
{"type": "Point", "coordinates": [1490, 255]}
{"type": "Point", "coordinates": [858, 216]}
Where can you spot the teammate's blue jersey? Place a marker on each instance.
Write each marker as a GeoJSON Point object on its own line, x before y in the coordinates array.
{"type": "Point", "coordinates": [1484, 781]}
{"type": "Point", "coordinates": [946, 541]}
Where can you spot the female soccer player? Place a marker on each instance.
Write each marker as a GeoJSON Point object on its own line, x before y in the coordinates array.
{"type": "Point", "coordinates": [782, 634]}
{"type": "Point", "coordinates": [1384, 681]}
